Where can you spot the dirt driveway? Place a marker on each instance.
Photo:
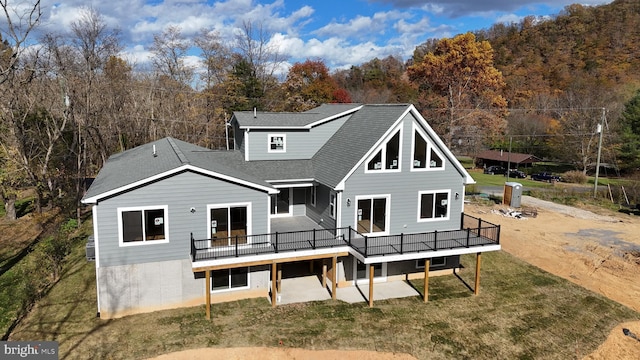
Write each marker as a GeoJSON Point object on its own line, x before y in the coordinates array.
{"type": "Point", "coordinates": [598, 252]}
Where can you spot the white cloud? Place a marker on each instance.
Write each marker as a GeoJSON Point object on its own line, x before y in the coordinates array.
{"type": "Point", "coordinates": [361, 26]}
{"type": "Point", "coordinates": [509, 18]}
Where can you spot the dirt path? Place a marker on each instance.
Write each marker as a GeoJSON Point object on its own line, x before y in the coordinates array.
{"type": "Point", "coordinates": [280, 354]}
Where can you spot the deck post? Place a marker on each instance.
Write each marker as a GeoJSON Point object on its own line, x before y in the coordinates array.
{"type": "Point", "coordinates": [371, 274]}
{"type": "Point", "coordinates": [401, 243]}
{"type": "Point", "coordinates": [324, 274]}
{"type": "Point", "coordinates": [468, 234]}
{"type": "Point", "coordinates": [236, 245]}
{"type": "Point", "coordinates": [276, 242]}
{"type": "Point", "coordinates": [427, 264]}
{"type": "Point", "coordinates": [274, 290]}
{"type": "Point", "coordinates": [207, 294]}
{"type": "Point", "coordinates": [279, 280]}
{"type": "Point", "coordinates": [334, 276]}
{"type": "Point", "coordinates": [193, 249]}
{"type": "Point", "coordinates": [366, 245]}
{"type": "Point", "coordinates": [476, 289]}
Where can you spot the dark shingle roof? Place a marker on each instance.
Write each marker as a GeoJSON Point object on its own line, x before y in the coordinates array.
{"type": "Point", "coordinates": [352, 141]}
{"type": "Point", "coordinates": [246, 119]}
{"type": "Point", "coordinates": [330, 165]}
{"type": "Point", "coordinates": [516, 158]}
{"type": "Point", "coordinates": [139, 164]}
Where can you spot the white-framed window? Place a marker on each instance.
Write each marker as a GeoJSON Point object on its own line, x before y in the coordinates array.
{"type": "Point", "coordinates": [388, 156]}
{"type": "Point", "coordinates": [143, 225]}
{"type": "Point", "coordinates": [277, 143]}
{"type": "Point", "coordinates": [227, 223]}
{"type": "Point", "coordinates": [372, 214]}
{"type": "Point", "coordinates": [425, 156]}
{"type": "Point", "coordinates": [433, 205]}
{"type": "Point", "coordinates": [229, 279]}
{"type": "Point", "coordinates": [314, 194]}
{"type": "Point", "coordinates": [332, 204]}
{"type": "Point", "coordinates": [436, 261]}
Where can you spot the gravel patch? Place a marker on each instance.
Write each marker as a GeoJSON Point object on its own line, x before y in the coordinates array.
{"type": "Point", "coordinates": [565, 209]}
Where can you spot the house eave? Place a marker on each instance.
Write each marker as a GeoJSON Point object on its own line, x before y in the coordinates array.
{"type": "Point", "coordinates": [187, 167]}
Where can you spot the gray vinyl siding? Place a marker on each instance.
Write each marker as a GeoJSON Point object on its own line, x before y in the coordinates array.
{"type": "Point", "coordinates": [299, 198]}
{"type": "Point", "coordinates": [238, 138]}
{"type": "Point", "coordinates": [321, 213]}
{"type": "Point", "coordinates": [403, 188]}
{"type": "Point", "coordinates": [180, 193]}
{"type": "Point", "coordinates": [300, 144]}
{"type": "Point", "coordinates": [409, 266]}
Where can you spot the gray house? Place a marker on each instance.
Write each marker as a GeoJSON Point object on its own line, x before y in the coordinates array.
{"type": "Point", "coordinates": [368, 191]}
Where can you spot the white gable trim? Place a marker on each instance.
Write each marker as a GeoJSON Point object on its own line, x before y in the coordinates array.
{"type": "Point", "coordinates": [432, 134]}
{"type": "Point", "coordinates": [440, 145]}
{"type": "Point", "coordinates": [391, 130]}
{"type": "Point", "coordinates": [96, 198]}
{"type": "Point", "coordinates": [308, 126]}
{"type": "Point", "coordinates": [322, 121]}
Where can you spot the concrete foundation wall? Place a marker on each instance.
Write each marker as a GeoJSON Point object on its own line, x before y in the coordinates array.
{"type": "Point", "coordinates": [131, 289]}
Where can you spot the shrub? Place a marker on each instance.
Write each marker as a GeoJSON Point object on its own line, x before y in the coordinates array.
{"type": "Point", "coordinates": [574, 176]}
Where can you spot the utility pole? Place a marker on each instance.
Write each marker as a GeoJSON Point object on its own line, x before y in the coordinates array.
{"type": "Point", "coordinates": [599, 130]}
{"type": "Point", "coordinates": [509, 158]}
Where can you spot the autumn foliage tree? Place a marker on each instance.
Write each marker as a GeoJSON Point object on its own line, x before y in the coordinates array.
{"type": "Point", "coordinates": [458, 80]}
{"type": "Point", "coordinates": [309, 84]}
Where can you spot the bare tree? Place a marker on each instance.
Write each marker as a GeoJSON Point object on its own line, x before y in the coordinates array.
{"type": "Point", "coordinates": [21, 20]}
{"type": "Point", "coordinates": [169, 49]}
{"type": "Point", "coordinates": [254, 47]}
{"type": "Point", "coordinates": [216, 57]}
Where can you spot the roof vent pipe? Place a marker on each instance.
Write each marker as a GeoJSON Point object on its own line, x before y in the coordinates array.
{"type": "Point", "coordinates": [255, 113]}
{"type": "Point", "coordinates": [154, 151]}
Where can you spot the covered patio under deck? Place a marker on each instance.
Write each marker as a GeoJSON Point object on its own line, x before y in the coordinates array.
{"type": "Point", "coordinates": [288, 243]}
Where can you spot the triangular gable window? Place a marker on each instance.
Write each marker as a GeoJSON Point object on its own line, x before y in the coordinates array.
{"type": "Point", "coordinates": [425, 154]}
{"type": "Point", "coordinates": [388, 157]}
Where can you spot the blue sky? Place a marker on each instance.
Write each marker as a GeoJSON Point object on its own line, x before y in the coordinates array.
{"type": "Point", "coordinates": [341, 33]}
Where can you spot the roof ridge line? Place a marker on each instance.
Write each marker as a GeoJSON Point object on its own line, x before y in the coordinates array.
{"type": "Point", "coordinates": [183, 159]}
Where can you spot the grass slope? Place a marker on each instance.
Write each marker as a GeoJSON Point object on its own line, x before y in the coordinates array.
{"type": "Point", "coordinates": [522, 312]}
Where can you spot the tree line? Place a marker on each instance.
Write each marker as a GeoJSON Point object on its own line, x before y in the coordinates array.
{"type": "Point", "coordinates": [73, 100]}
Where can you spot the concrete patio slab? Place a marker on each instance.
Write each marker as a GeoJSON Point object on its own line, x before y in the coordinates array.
{"type": "Point", "coordinates": [309, 288]}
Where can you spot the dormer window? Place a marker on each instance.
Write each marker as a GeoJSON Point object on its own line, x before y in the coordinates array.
{"type": "Point", "coordinates": [425, 155]}
{"type": "Point", "coordinates": [388, 157]}
{"type": "Point", "coordinates": [277, 143]}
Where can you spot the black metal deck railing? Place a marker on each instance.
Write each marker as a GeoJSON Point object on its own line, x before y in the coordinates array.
{"type": "Point", "coordinates": [474, 232]}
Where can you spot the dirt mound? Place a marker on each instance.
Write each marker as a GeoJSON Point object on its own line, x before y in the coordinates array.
{"type": "Point", "coordinates": [618, 345]}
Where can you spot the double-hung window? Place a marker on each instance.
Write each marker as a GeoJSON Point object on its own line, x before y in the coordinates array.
{"type": "Point", "coordinates": [277, 143]}
{"type": "Point", "coordinates": [332, 204]}
{"type": "Point", "coordinates": [433, 205]}
{"type": "Point", "coordinates": [143, 225]}
{"type": "Point", "coordinates": [314, 194]}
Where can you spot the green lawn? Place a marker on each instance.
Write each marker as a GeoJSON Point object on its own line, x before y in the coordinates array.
{"type": "Point", "coordinates": [521, 312]}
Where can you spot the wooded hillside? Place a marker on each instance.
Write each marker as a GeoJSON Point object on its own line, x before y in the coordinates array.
{"type": "Point", "coordinates": [541, 85]}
